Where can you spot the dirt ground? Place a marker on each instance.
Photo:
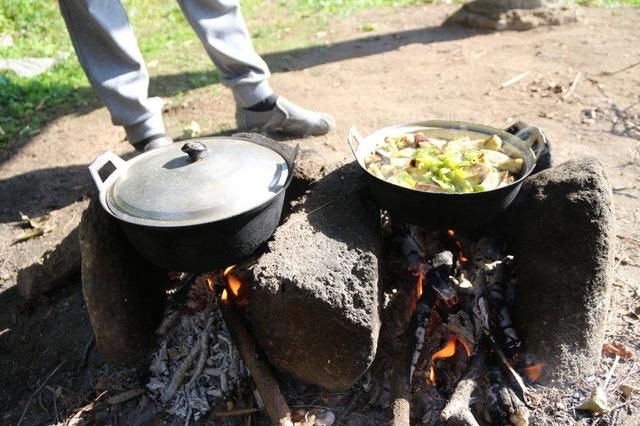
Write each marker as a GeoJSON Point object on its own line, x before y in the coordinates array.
{"type": "Point", "coordinates": [409, 69]}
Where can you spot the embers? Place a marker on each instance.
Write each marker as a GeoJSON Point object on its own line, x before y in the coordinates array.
{"type": "Point", "coordinates": [466, 342]}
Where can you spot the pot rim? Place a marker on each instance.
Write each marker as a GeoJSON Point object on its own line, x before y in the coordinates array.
{"type": "Point", "coordinates": [106, 187]}
{"type": "Point", "coordinates": [363, 148]}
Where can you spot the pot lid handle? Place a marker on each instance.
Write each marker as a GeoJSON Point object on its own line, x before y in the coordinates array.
{"type": "Point", "coordinates": [100, 162]}
{"type": "Point", "coordinates": [195, 150]}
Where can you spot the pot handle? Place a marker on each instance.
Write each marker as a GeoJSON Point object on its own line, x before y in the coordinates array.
{"type": "Point", "coordinates": [354, 137]}
{"type": "Point", "coordinates": [534, 139]}
{"type": "Point", "coordinates": [100, 162]}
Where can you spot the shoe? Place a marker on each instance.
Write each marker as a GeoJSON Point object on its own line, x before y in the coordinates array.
{"type": "Point", "coordinates": [286, 117]}
{"type": "Point", "coordinates": [152, 142]}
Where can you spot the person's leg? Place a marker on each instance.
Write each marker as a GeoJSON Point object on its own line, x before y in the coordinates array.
{"type": "Point", "coordinates": [221, 28]}
{"type": "Point", "coordinates": [109, 54]}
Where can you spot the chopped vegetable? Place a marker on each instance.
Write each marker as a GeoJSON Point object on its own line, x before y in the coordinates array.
{"type": "Point", "coordinates": [419, 162]}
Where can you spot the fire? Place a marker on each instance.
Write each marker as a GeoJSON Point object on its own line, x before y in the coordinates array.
{"type": "Point", "coordinates": [466, 345]}
{"type": "Point", "coordinates": [447, 351]}
{"type": "Point", "coordinates": [461, 256]}
{"type": "Point", "coordinates": [419, 285]}
{"type": "Point", "coordinates": [210, 284]}
{"type": "Point", "coordinates": [533, 372]}
{"type": "Point", "coordinates": [236, 288]}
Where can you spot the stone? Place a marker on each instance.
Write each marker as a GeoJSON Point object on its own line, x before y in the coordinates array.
{"type": "Point", "coordinates": [123, 291]}
{"type": "Point", "coordinates": [315, 293]}
{"type": "Point", "coordinates": [518, 15]}
{"type": "Point", "coordinates": [562, 227]}
{"type": "Point", "coordinates": [45, 263]}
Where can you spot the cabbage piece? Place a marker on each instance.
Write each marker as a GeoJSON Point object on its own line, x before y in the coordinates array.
{"type": "Point", "coordinates": [406, 153]}
{"type": "Point", "coordinates": [501, 161]}
{"type": "Point", "coordinates": [462, 144]}
{"type": "Point", "coordinates": [493, 142]}
{"type": "Point", "coordinates": [374, 169]}
{"type": "Point", "coordinates": [400, 162]}
{"type": "Point", "coordinates": [403, 179]}
{"type": "Point", "coordinates": [449, 187]}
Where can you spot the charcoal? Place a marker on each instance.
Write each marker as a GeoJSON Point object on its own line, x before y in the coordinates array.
{"type": "Point", "coordinates": [562, 226]}
{"type": "Point", "coordinates": [315, 293]}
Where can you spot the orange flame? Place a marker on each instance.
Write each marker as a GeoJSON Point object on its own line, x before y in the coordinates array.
{"type": "Point", "coordinates": [533, 372]}
{"type": "Point", "coordinates": [419, 285]}
{"type": "Point", "coordinates": [466, 345]}
{"type": "Point", "coordinates": [461, 256]}
{"type": "Point", "coordinates": [236, 287]}
{"type": "Point", "coordinates": [224, 297]}
{"type": "Point", "coordinates": [447, 351]}
{"type": "Point", "coordinates": [210, 284]}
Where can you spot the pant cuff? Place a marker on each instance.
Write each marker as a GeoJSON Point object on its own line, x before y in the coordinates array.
{"type": "Point", "coordinates": [150, 127]}
{"type": "Point", "coordinates": [247, 95]}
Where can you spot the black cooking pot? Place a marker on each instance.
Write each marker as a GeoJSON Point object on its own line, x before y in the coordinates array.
{"type": "Point", "coordinates": [442, 209]}
{"type": "Point", "coordinates": [201, 205]}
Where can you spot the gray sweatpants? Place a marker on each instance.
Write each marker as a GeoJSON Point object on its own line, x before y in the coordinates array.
{"type": "Point", "coordinates": [109, 54]}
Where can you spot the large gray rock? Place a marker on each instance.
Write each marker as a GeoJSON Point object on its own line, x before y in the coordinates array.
{"type": "Point", "coordinates": [123, 291]}
{"type": "Point", "coordinates": [315, 294]}
{"type": "Point", "coordinates": [518, 15]}
{"type": "Point", "coordinates": [563, 230]}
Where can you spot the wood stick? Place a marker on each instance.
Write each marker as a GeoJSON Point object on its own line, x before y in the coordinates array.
{"type": "Point", "coordinates": [236, 412]}
{"type": "Point", "coordinates": [515, 79]}
{"type": "Point", "coordinates": [635, 64]}
{"type": "Point", "coordinates": [400, 382]}
{"type": "Point", "coordinates": [178, 377]}
{"type": "Point", "coordinates": [457, 411]}
{"type": "Point", "coordinates": [26, 407]}
{"type": "Point", "coordinates": [574, 83]}
{"type": "Point", "coordinates": [274, 403]}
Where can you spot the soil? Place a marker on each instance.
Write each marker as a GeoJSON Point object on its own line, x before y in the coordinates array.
{"type": "Point", "coordinates": [409, 69]}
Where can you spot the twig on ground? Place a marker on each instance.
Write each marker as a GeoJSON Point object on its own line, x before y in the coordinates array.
{"type": "Point", "coordinates": [236, 412]}
{"type": "Point", "coordinates": [26, 407]}
{"type": "Point", "coordinates": [610, 373]}
{"type": "Point", "coordinates": [125, 396]}
{"type": "Point", "coordinates": [628, 67]}
{"type": "Point", "coordinates": [574, 83]}
{"type": "Point", "coordinates": [515, 79]}
{"type": "Point", "coordinates": [178, 377]}
{"type": "Point", "coordinates": [87, 351]}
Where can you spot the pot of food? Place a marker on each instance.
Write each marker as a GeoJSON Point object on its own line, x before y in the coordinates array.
{"type": "Point", "coordinates": [446, 173]}
{"type": "Point", "coordinates": [200, 205]}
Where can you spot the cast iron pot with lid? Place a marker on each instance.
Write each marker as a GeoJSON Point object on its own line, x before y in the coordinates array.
{"type": "Point", "coordinates": [442, 209]}
{"type": "Point", "coordinates": [201, 205]}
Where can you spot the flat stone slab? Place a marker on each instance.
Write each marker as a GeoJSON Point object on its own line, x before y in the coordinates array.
{"type": "Point", "coordinates": [315, 294]}
{"type": "Point", "coordinates": [44, 263]}
{"type": "Point", "coordinates": [564, 235]}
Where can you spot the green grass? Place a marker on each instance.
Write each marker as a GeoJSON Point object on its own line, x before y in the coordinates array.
{"type": "Point", "coordinates": [175, 58]}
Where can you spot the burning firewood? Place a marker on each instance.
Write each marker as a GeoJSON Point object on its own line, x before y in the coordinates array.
{"type": "Point", "coordinates": [267, 386]}
{"type": "Point", "coordinates": [457, 410]}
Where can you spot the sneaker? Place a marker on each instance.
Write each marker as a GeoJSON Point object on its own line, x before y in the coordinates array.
{"type": "Point", "coordinates": [152, 142]}
{"type": "Point", "coordinates": [286, 117]}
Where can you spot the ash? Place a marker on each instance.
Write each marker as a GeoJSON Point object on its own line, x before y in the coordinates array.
{"type": "Point", "coordinates": [196, 366]}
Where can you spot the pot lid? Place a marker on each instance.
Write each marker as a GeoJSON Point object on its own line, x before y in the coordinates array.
{"type": "Point", "coordinates": [203, 180]}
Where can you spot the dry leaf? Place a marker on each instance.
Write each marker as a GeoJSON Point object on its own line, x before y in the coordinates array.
{"type": "Point", "coordinates": [28, 234]}
{"type": "Point", "coordinates": [617, 348]}
{"type": "Point", "coordinates": [628, 390]}
{"type": "Point", "coordinates": [597, 403]}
